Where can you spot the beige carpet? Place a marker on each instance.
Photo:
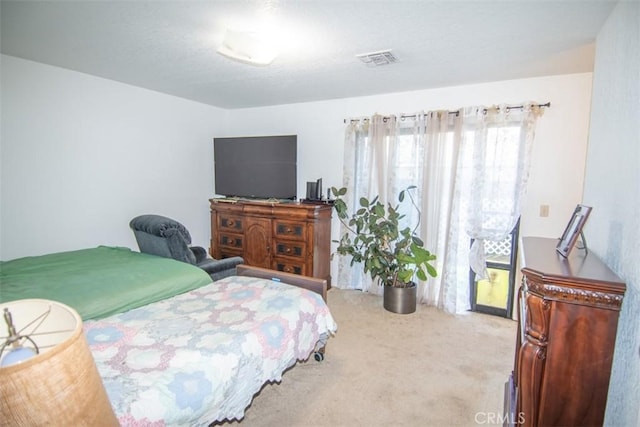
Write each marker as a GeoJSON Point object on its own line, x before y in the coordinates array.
{"type": "Point", "coordinates": [428, 368]}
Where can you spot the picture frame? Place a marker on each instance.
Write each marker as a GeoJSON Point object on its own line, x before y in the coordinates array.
{"type": "Point", "coordinates": [573, 230]}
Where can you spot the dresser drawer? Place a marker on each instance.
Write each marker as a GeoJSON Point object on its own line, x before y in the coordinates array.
{"type": "Point", "coordinates": [230, 252]}
{"type": "Point", "coordinates": [289, 230]}
{"type": "Point", "coordinates": [289, 266]}
{"type": "Point", "coordinates": [230, 241]}
{"type": "Point", "coordinates": [291, 249]}
{"type": "Point", "coordinates": [230, 223]}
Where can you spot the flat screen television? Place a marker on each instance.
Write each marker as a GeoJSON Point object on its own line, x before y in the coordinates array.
{"type": "Point", "coordinates": [262, 167]}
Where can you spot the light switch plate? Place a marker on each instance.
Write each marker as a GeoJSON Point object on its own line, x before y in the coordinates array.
{"type": "Point", "coordinates": [544, 211]}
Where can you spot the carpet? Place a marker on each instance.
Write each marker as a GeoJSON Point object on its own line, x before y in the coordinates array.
{"type": "Point", "coordinates": [428, 368]}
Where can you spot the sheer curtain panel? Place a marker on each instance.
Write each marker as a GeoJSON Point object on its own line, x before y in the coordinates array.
{"type": "Point", "coordinates": [471, 168]}
{"type": "Point", "coordinates": [497, 146]}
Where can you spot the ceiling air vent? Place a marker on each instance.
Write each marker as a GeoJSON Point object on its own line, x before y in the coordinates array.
{"type": "Point", "coordinates": [376, 59]}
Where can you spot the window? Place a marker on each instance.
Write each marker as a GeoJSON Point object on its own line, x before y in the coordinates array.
{"type": "Point", "coordinates": [495, 294]}
{"type": "Point", "coordinates": [470, 168]}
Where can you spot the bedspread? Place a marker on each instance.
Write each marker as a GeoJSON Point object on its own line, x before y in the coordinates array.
{"type": "Point", "coordinates": [201, 356]}
{"type": "Point", "coordinates": [98, 282]}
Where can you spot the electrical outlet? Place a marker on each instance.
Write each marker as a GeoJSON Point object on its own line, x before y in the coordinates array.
{"type": "Point", "coordinates": [544, 211]}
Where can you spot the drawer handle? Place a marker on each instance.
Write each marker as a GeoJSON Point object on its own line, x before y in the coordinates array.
{"type": "Point", "coordinates": [231, 242]}
{"type": "Point", "coordinates": [288, 250]}
{"type": "Point", "coordinates": [231, 223]}
{"type": "Point", "coordinates": [287, 269]}
{"type": "Point", "coordinates": [289, 231]}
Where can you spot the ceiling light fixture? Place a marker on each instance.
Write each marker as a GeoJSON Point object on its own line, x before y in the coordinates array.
{"type": "Point", "coordinates": [247, 47]}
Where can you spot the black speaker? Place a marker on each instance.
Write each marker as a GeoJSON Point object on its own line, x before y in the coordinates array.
{"type": "Point", "coordinates": [312, 190]}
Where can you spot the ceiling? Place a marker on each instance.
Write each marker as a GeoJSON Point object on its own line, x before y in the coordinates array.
{"type": "Point", "coordinates": [170, 46]}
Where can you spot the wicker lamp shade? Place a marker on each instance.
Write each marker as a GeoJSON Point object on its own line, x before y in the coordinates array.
{"type": "Point", "coordinates": [60, 385]}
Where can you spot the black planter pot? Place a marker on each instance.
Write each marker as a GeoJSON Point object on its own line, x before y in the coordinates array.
{"type": "Point", "coordinates": [400, 300]}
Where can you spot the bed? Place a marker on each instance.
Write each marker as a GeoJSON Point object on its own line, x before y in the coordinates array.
{"type": "Point", "coordinates": [98, 282]}
{"type": "Point", "coordinates": [193, 358]}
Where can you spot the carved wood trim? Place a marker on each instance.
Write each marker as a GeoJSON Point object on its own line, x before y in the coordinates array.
{"type": "Point", "coordinates": [537, 321]}
{"type": "Point", "coordinates": [575, 295]}
{"type": "Point", "coordinates": [531, 362]}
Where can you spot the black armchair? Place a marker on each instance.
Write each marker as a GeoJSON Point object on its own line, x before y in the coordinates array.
{"type": "Point", "coordinates": [165, 237]}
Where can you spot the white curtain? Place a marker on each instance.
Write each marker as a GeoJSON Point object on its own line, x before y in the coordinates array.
{"type": "Point", "coordinates": [471, 168]}
{"type": "Point", "coordinates": [437, 156]}
{"type": "Point", "coordinates": [419, 150]}
{"type": "Point", "coordinates": [369, 147]}
{"type": "Point", "coordinates": [497, 143]}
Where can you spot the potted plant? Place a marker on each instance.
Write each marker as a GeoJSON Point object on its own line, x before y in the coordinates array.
{"type": "Point", "coordinates": [393, 256]}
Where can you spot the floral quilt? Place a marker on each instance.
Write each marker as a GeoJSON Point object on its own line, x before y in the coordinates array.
{"type": "Point", "coordinates": [201, 356]}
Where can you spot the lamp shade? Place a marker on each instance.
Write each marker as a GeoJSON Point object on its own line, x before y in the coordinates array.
{"type": "Point", "coordinates": [60, 385]}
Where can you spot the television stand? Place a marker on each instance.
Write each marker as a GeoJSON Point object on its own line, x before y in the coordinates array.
{"type": "Point", "coordinates": [289, 236]}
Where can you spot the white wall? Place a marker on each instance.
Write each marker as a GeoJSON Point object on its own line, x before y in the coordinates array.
{"type": "Point", "coordinates": [82, 155]}
{"type": "Point", "coordinates": [612, 187]}
{"type": "Point", "coordinates": [559, 151]}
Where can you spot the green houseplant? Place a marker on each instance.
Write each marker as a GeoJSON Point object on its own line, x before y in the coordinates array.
{"type": "Point", "coordinates": [393, 256]}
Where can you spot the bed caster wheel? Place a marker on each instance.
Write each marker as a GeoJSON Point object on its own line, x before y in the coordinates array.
{"type": "Point", "coordinates": [318, 356]}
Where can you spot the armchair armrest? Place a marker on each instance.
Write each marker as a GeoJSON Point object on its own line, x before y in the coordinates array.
{"type": "Point", "coordinates": [221, 268]}
{"type": "Point", "coordinates": [212, 266]}
{"type": "Point", "coordinates": [200, 253]}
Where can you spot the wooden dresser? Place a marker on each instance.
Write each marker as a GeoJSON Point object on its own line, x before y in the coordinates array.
{"type": "Point", "coordinates": [291, 237]}
{"type": "Point", "coordinates": [567, 323]}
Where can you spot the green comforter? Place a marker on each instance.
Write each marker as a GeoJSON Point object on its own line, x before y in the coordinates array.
{"type": "Point", "coordinates": [98, 282]}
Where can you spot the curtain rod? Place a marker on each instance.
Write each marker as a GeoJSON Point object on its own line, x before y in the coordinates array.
{"type": "Point", "coordinates": [516, 107]}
